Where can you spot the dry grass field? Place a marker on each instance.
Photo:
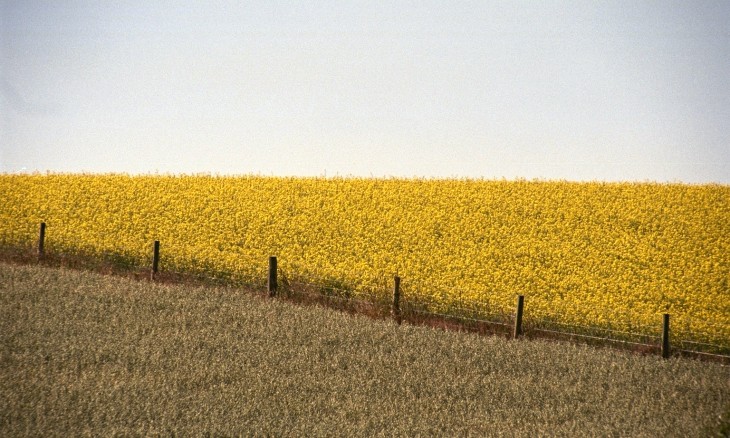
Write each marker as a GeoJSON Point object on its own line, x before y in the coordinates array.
{"type": "Point", "coordinates": [83, 354]}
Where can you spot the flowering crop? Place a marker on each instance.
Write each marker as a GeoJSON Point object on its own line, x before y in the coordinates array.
{"type": "Point", "coordinates": [600, 254]}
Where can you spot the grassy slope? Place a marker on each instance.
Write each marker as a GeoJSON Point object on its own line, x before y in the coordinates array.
{"type": "Point", "coordinates": [84, 353]}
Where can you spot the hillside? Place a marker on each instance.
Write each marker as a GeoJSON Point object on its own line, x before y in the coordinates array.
{"type": "Point", "coordinates": [89, 354]}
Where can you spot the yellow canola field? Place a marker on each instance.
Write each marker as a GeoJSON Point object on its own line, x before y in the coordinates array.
{"type": "Point", "coordinates": [596, 254]}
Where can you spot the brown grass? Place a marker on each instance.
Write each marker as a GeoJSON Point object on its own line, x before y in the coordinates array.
{"type": "Point", "coordinates": [84, 354]}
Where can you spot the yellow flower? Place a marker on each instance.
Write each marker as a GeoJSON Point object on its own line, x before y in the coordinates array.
{"type": "Point", "coordinates": [596, 254]}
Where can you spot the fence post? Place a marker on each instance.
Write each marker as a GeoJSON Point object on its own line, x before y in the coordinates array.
{"type": "Point", "coordinates": [395, 310]}
{"type": "Point", "coordinates": [155, 259]}
{"type": "Point", "coordinates": [41, 241]}
{"type": "Point", "coordinates": [272, 283]}
{"type": "Point", "coordinates": [665, 337]}
{"type": "Point", "coordinates": [518, 317]}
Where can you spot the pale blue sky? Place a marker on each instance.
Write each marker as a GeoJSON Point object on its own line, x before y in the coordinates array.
{"type": "Point", "coordinates": [576, 90]}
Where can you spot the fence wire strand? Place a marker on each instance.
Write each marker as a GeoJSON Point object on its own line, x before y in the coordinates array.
{"type": "Point", "coordinates": [461, 318]}
{"type": "Point", "coordinates": [491, 314]}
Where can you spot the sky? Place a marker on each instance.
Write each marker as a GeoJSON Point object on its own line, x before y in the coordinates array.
{"type": "Point", "coordinates": [554, 90]}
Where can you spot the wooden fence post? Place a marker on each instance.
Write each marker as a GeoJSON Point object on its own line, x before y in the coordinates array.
{"type": "Point", "coordinates": [272, 283]}
{"type": "Point", "coordinates": [155, 259]}
{"type": "Point", "coordinates": [665, 337]}
{"type": "Point", "coordinates": [41, 241]}
{"type": "Point", "coordinates": [395, 310]}
{"type": "Point", "coordinates": [518, 317]}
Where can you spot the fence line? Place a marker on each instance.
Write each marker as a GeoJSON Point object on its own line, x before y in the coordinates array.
{"type": "Point", "coordinates": [463, 318]}
{"type": "Point", "coordinates": [540, 325]}
{"type": "Point", "coordinates": [537, 325]}
{"type": "Point", "coordinates": [596, 338]}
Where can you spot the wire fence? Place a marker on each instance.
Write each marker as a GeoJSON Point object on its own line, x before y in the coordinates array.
{"type": "Point", "coordinates": [501, 320]}
{"type": "Point", "coordinates": [496, 319]}
{"type": "Point", "coordinates": [296, 283]}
